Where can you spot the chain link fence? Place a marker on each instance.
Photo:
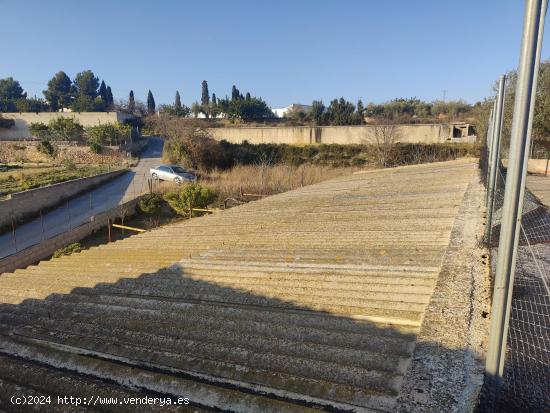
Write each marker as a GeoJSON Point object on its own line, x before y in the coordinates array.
{"type": "Point", "coordinates": [525, 386]}
{"type": "Point", "coordinates": [75, 212]}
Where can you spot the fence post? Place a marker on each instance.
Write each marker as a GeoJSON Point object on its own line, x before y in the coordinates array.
{"type": "Point", "coordinates": [495, 151]}
{"type": "Point", "coordinates": [513, 203]}
{"type": "Point", "coordinates": [109, 223]}
{"type": "Point", "coordinates": [488, 143]}
{"type": "Point", "coordinates": [42, 225]}
{"type": "Point", "coordinates": [13, 233]}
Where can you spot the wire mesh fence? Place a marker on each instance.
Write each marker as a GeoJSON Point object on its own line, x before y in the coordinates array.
{"type": "Point", "coordinates": [525, 386]}
{"type": "Point", "coordinates": [75, 212]}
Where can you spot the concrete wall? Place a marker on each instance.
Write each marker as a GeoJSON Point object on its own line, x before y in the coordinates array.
{"type": "Point", "coordinates": [23, 120]}
{"type": "Point", "coordinates": [20, 205]}
{"type": "Point", "coordinates": [305, 135]}
{"type": "Point", "coordinates": [46, 248]}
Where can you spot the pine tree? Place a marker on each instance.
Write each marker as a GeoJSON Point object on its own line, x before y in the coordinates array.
{"type": "Point", "coordinates": [131, 102]}
{"type": "Point", "coordinates": [205, 98]}
{"type": "Point", "coordinates": [150, 103]}
{"type": "Point", "coordinates": [60, 92]}
{"type": "Point", "coordinates": [177, 102]}
{"type": "Point", "coordinates": [103, 92]}
{"type": "Point", "coordinates": [110, 98]}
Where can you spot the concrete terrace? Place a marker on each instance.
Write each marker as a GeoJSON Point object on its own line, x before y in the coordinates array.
{"type": "Point", "coordinates": [311, 299]}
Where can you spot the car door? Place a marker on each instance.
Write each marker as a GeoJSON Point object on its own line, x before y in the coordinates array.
{"type": "Point", "coordinates": [163, 173]}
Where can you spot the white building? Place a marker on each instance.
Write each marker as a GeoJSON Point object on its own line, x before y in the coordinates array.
{"type": "Point", "coordinates": [281, 112]}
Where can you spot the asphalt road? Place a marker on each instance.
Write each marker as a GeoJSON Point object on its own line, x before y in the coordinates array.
{"type": "Point", "coordinates": [79, 210]}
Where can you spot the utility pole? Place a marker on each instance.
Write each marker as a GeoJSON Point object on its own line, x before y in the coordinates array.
{"type": "Point", "coordinates": [513, 196]}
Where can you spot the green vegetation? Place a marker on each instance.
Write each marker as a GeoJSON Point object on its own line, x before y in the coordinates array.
{"type": "Point", "coordinates": [6, 123]}
{"type": "Point", "coordinates": [189, 197]}
{"type": "Point", "coordinates": [108, 134]}
{"type": "Point", "coordinates": [46, 148]}
{"type": "Point", "coordinates": [68, 250]}
{"type": "Point", "coordinates": [151, 203]}
{"type": "Point", "coordinates": [21, 179]}
{"type": "Point", "coordinates": [150, 103]}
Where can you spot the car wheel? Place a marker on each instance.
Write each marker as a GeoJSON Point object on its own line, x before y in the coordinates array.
{"type": "Point", "coordinates": [154, 176]}
{"type": "Point", "coordinates": [177, 181]}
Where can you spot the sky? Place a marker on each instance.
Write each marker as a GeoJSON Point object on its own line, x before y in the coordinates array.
{"type": "Point", "coordinates": [286, 52]}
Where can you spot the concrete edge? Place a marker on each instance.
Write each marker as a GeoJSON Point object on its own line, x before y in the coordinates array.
{"type": "Point", "coordinates": [446, 369]}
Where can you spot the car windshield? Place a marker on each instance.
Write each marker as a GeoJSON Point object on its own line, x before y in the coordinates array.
{"type": "Point", "coordinates": [179, 170]}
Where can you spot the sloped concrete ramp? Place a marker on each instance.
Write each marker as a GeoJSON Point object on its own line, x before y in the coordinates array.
{"type": "Point", "coordinates": [307, 300]}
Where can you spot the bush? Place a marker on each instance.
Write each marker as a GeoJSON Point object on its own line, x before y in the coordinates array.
{"type": "Point", "coordinates": [108, 134]}
{"type": "Point", "coordinates": [6, 123]}
{"type": "Point", "coordinates": [46, 148]}
{"type": "Point", "coordinates": [68, 250]}
{"type": "Point", "coordinates": [69, 165]}
{"type": "Point", "coordinates": [39, 130]}
{"type": "Point", "coordinates": [189, 197]}
{"type": "Point", "coordinates": [151, 204]}
{"type": "Point", "coordinates": [65, 129]}
{"type": "Point", "coordinates": [95, 147]}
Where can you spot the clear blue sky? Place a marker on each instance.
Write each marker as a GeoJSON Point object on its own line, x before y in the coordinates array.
{"type": "Point", "coordinates": [284, 51]}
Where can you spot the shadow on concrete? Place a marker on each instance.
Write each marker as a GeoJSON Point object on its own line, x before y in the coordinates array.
{"type": "Point", "coordinates": [170, 323]}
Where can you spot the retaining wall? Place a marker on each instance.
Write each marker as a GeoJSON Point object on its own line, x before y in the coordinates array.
{"type": "Point", "coordinates": [47, 247]}
{"type": "Point", "coordinates": [362, 134]}
{"type": "Point", "coordinates": [20, 205]}
{"type": "Point", "coordinates": [23, 120]}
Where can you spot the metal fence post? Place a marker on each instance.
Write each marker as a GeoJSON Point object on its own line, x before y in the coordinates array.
{"type": "Point", "coordinates": [488, 142]}
{"type": "Point", "coordinates": [495, 145]}
{"type": "Point", "coordinates": [513, 203]}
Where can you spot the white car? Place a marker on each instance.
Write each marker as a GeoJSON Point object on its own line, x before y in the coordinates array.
{"type": "Point", "coordinates": [172, 173]}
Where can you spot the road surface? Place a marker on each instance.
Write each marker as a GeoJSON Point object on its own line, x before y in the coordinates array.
{"type": "Point", "coordinates": [79, 210]}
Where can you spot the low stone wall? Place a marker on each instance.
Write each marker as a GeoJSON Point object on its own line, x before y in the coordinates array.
{"type": "Point", "coordinates": [344, 135]}
{"type": "Point", "coordinates": [20, 205]}
{"type": "Point", "coordinates": [47, 247]}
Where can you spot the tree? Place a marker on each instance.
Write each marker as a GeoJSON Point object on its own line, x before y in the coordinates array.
{"type": "Point", "coordinates": [385, 136]}
{"type": "Point", "coordinates": [318, 112]}
{"type": "Point", "coordinates": [60, 91]}
{"type": "Point", "coordinates": [177, 102]}
{"type": "Point", "coordinates": [131, 102]}
{"type": "Point", "coordinates": [214, 99]}
{"type": "Point", "coordinates": [10, 89]}
{"type": "Point", "coordinates": [10, 92]}
{"type": "Point", "coordinates": [205, 97]}
{"type": "Point", "coordinates": [341, 112]}
{"type": "Point", "coordinates": [150, 103]}
{"type": "Point", "coordinates": [103, 92]}
{"type": "Point", "coordinates": [110, 98]}
{"type": "Point", "coordinates": [248, 97]}
{"type": "Point", "coordinates": [86, 84]}
{"type": "Point", "coordinates": [65, 129]}
{"type": "Point", "coordinates": [195, 109]}
{"type": "Point", "coordinates": [235, 94]}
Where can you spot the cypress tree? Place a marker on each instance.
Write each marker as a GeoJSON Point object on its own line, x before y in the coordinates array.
{"type": "Point", "coordinates": [248, 97]}
{"type": "Point", "coordinates": [103, 92]}
{"type": "Point", "coordinates": [110, 99]}
{"type": "Point", "coordinates": [131, 102]}
{"type": "Point", "coordinates": [205, 98]}
{"type": "Point", "coordinates": [214, 99]}
{"type": "Point", "coordinates": [150, 103]}
{"type": "Point", "coordinates": [234, 93]}
{"type": "Point", "coordinates": [177, 102]}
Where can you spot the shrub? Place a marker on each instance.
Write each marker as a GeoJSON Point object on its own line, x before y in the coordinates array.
{"type": "Point", "coordinates": [39, 130]}
{"type": "Point", "coordinates": [68, 250]}
{"type": "Point", "coordinates": [65, 129]}
{"type": "Point", "coordinates": [95, 147]}
{"type": "Point", "coordinates": [151, 204]}
{"type": "Point", "coordinates": [68, 164]}
{"type": "Point", "coordinates": [108, 134]}
{"type": "Point", "coordinates": [189, 197]}
{"type": "Point", "coordinates": [46, 148]}
{"type": "Point", "coordinates": [6, 123]}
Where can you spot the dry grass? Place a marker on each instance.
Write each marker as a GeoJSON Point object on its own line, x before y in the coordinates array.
{"type": "Point", "coordinates": [268, 180]}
